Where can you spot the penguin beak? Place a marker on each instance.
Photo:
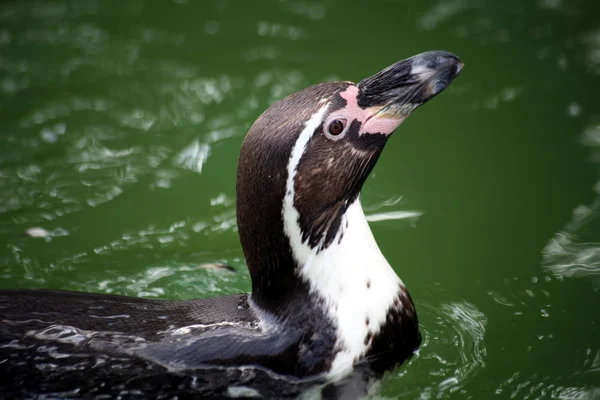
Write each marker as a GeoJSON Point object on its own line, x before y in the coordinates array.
{"type": "Point", "coordinates": [397, 90]}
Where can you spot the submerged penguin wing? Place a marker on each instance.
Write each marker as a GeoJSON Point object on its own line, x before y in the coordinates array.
{"type": "Point", "coordinates": [114, 342]}
{"type": "Point", "coordinates": [25, 310]}
{"type": "Point", "coordinates": [226, 346]}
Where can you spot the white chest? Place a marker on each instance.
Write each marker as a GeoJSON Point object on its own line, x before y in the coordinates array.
{"type": "Point", "coordinates": [358, 286]}
{"type": "Point", "coordinates": [355, 281]}
{"type": "Point", "coordinates": [351, 275]}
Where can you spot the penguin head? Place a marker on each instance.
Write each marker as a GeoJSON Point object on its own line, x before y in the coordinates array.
{"type": "Point", "coordinates": [314, 149]}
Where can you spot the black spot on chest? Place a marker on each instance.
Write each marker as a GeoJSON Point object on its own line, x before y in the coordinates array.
{"type": "Point", "coordinates": [398, 338]}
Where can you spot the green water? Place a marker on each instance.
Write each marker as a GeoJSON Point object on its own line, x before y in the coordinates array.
{"type": "Point", "coordinates": [120, 125]}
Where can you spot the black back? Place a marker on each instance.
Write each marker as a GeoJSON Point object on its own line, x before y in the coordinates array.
{"type": "Point", "coordinates": [55, 342]}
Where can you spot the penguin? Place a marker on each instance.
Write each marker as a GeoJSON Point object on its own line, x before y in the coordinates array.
{"type": "Point", "coordinates": [324, 300]}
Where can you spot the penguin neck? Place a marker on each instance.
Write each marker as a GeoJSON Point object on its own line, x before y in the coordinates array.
{"type": "Point", "coordinates": [261, 183]}
{"type": "Point", "coordinates": [267, 250]}
{"type": "Point", "coordinates": [352, 280]}
{"type": "Point", "coordinates": [346, 273]}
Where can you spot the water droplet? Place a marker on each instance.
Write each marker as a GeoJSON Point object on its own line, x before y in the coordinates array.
{"type": "Point", "coordinates": [36, 231]}
{"type": "Point", "coordinates": [574, 110]}
{"type": "Point", "coordinates": [212, 27]}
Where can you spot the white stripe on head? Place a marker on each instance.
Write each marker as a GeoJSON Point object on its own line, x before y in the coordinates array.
{"type": "Point", "coordinates": [351, 275]}
{"type": "Point", "coordinates": [290, 214]}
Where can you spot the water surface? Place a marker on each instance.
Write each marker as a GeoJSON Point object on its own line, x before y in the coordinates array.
{"type": "Point", "coordinates": [121, 125]}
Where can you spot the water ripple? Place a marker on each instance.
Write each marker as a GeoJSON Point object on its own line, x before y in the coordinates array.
{"type": "Point", "coordinates": [533, 386]}
{"type": "Point", "coordinates": [387, 212]}
{"type": "Point", "coordinates": [575, 250]}
{"type": "Point", "coordinates": [193, 156]}
{"type": "Point", "coordinates": [453, 349]}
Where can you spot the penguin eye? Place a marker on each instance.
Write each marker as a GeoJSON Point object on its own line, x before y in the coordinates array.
{"type": "Point", "coordinates": [336, 126]}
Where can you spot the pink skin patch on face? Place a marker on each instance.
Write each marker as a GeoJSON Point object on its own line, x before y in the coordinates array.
{"type": "Point", "coordinates": [372, 120]}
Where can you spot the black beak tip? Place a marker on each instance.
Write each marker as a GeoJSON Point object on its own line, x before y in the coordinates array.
{"type": "Point", "coordinates": [437, 60]}
{"type": "Point", "coordinates": [444, 67]}
{"type": "Point", "coordinates": [413, 81]}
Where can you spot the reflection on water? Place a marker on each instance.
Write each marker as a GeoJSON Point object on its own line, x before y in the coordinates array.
{"type": "Point", "coordinates": [182, 277]}
{"type": "Point", "coordinates": [592, 42]}
{"type": "Point", "coordinates": [390, 209]}
{"type": "Point", "coordinates": [193, 156]}
{"type": "Point", "coordinates": [121, 126]}
{"type": "Point", "coordinates": [575, 251]}
{"type": "Point", "coordinates": [453, 349]}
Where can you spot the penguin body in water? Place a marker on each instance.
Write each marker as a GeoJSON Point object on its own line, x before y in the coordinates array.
{"type": "Point", "coordinates": [324, 302]}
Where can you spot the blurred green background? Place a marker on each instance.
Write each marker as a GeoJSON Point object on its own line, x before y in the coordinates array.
{"type": "Point", "coordinates": [121, 122]}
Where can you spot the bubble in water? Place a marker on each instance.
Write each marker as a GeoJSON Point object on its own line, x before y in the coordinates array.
{"type": "Point", "coordinates": [212, 27]}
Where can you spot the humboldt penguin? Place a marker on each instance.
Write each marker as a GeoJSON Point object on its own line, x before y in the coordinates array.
{"type": "Point", "coordinates": [324, 300]}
